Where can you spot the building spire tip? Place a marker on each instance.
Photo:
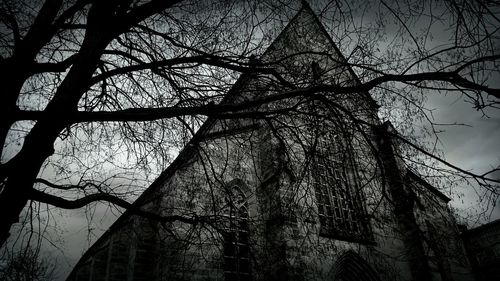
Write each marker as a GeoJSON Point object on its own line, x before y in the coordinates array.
{"type": "Point", "coordinates": [305, 4]}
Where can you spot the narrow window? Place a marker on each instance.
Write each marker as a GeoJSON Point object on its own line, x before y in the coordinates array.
{"type": "Point", "coordinates": [340, 208]}
{"type": "Point", "coordinates": [236, 263]}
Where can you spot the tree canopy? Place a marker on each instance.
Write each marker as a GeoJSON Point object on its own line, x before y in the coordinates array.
{"type": "Point", "coordinates": [99, 95]}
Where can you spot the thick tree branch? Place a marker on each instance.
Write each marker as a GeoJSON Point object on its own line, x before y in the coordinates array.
{"type": "Point", "coordinates": [140, 13]}
{"type": "Point", "coordinates": [54, 67]}
{"type": "Point", "coordinates": [477, 60]}
{"type": "Point", "coordinates": [201, 59]}
{"type": "Point", "coordinates": [71, 11]}
{"type": "Point", "coordinates": [41, 30]}
{"type": "Point", "coordinates": [450, 77]}
{"type": "Point", "coordinates": [105, 197]}
{"type": "Point", "coordinates": [65, 186]}
{"type": "Point", "coordinates": [7, 16]}
{"type": "Point", "coordinates": [150, 114]}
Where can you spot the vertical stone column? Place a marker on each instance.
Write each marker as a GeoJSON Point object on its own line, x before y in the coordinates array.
{"type": "Point", "coordinates": [272, 249]}
{"type": "Point", "coordinates": [403, 204]}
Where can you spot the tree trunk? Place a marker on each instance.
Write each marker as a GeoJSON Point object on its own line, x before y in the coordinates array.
{"type": "Point", "coordinates": [18, 178]}
{"type": "Point", "coordinates": [12, 83]}
{"type": "Point", "coordinates": [12, 200]}
{"type": "Point", "coordinates": [21, 175]}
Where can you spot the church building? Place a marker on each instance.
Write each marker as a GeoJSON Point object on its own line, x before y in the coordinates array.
{"type": "Point", "coordinates": [310, 187]}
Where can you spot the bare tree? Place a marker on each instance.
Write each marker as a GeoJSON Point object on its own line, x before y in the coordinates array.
{"type": "Point", "coordinates": [26, 264]}
{"type": "Point", "coordinates": [107, 86]}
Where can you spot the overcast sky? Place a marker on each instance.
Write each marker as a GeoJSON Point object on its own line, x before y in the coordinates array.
{"type": "Point", "coordinates": [474, 147]}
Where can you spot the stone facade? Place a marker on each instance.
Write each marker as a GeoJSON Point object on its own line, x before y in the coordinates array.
{"type": "Point", "coordinates": [313, 194]}
{"type": "Point", "coordinates": [483, 246]}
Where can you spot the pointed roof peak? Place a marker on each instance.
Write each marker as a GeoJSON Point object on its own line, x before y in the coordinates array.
{"type": "Point", "coordinates": [305, 35]}
{"type": "Point", "coordinates": [305, 5]}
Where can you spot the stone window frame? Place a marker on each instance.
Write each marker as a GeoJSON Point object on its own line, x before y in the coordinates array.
{"type": "Point", "coordinates": [236, 235]}
{"type": "Point", "coordinates": [339, 199]}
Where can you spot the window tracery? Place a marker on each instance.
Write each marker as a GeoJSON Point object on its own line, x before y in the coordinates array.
{"type": "Point", "coordinates": [236, 250]}
{"type": "Point", "coordinates": [340, 209]}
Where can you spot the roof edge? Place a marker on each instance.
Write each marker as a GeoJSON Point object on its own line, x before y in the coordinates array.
{"type": "Point", "coordinates": [430, 187]}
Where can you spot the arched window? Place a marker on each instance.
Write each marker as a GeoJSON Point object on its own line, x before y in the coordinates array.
{"type": "Point", "coordinates": [351, 267]}
{"type": "Point", "coordinates": [236, 251]}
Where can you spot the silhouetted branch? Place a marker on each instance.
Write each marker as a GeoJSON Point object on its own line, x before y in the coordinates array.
{"type": "Point", "coordinates": [435, 157]}
{"type": "Point", "coordinates": [61, 66]}
{"type": "Point", "coordinates": [65, 186]}
{"type": "Point", "coordinates": [105, 197]}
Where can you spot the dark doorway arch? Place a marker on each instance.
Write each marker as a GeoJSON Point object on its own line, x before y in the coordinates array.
{"type": "Point", "coordinates": [351, 267]}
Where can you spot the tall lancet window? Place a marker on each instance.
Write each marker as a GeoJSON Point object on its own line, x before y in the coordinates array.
{"type": "Point", "coordinates": [236, 263]}
{"type": "Point", "coordinates": [340, 209]}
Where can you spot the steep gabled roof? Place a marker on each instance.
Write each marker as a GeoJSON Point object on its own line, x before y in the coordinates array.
{"type": "Point", "coordinates": [299, 26]}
